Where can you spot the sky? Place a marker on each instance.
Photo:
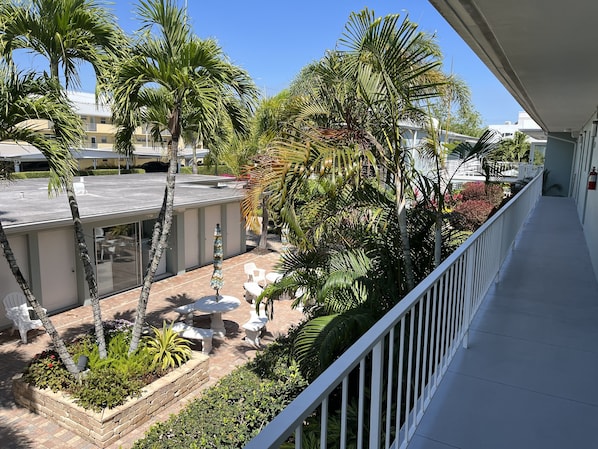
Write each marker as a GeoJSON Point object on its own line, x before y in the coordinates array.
{"type": "Point", "coordinates": [274, 40]}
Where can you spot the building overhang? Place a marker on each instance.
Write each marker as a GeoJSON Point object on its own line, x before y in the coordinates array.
{"type": "Point", "coordinates": [541, 50]}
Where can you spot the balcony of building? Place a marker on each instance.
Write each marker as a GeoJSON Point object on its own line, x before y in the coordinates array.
{"type": "Point", "coordinates": [495, 349]}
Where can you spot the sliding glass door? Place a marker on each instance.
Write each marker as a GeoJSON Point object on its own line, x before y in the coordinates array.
{"type": "Point", "coordinates": [118, 257]}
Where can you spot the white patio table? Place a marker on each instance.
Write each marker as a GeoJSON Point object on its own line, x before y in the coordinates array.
{"type": "Point", "coordinates": [208, 304]}
{"type": "Point", "coordinates": [273, 277]}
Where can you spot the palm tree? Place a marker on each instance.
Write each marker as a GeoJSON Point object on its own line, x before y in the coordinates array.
{"type": "Point", "coordinates": [187, 70]}
{"type": "Point", "coordinates": [436, 184]}
{"type": "Point", "coordinates": [341, 177]}
{"type": "Point", "coordinates": [66, 33]}
{"type": "Point", "coordinates": [396, 69]}
{"type": "Point", "coordinates": [22, 99]}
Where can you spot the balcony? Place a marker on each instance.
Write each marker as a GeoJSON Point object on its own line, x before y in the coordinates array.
{"type": "Point", "coordinates": [495, 349]}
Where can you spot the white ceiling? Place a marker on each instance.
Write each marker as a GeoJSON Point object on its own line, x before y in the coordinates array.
{"type": "Point", "coordinates": [545, 52]}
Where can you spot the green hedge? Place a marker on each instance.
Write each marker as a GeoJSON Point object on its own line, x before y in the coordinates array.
{"type": "Point", "coordinates": [205, 170]}
{"type": "Point", "coordinates": [236, 409]}
{"type": "Point", "coordinates": [96, 172]}
{"type": "Point", "coordinates": [110, 171]}
{"type": "Point", "coordinates": [30, 174]}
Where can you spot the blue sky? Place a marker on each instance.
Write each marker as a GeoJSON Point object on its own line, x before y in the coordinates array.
{"type": "Point", "coordinates": [273, 40]}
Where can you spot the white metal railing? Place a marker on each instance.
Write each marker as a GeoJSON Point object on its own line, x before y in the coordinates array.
{"type": "Point", "coordinates": [393, 370]}
{"type": "Point", "coordinates": [473, 168]}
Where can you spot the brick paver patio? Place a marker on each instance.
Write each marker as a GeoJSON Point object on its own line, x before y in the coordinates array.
{"type": "Point", "coordinates": [20, 428]}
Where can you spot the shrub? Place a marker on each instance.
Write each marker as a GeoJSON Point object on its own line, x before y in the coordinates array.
{"type": "Point", "coordinates": [110, 381]}
{"type": "Point", "coordinates": [30, 174]}
{"type": "Point", "coordinates": [105, 387]}
{"type": "Point", "coordinates": [237, 408]}
{"type": "Point", "coordinates": [471, 214]}
{"type": "Point", "coordinates": [168, 349]}
{"type": "Point", "coordinates": [492, 193]}
{"type": "Point", "coordinates": [46, 370]}
{"type": "Point", "coordinates": [229, 414]}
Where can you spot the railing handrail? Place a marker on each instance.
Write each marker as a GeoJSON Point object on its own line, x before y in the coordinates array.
{"type": "Point", "coordinates": [282, 426]}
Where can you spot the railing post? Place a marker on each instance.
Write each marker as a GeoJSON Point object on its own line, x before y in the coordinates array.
{"type": "Point", "coordinates": [376, 395]}
{"type": "Point", "coordinates": [469, 277]}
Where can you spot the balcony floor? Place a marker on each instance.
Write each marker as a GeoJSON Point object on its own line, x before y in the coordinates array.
{"type": "Point", "coordinates": [529, 378]}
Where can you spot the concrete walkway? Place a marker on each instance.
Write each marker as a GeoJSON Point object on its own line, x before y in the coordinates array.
{"type": "Point", "coordinates": [530, 376]}
{"type": "Point", "coordinates": [20, 429]}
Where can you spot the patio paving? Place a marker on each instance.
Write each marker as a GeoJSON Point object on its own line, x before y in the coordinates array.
{"type": "Point", "coordinates": [20, 428]}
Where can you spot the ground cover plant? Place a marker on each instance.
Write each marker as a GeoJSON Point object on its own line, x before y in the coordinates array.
{"type": "Point", "coordinates": [111, 381]}
{"type": "Point", "coordinates": [233, 411]}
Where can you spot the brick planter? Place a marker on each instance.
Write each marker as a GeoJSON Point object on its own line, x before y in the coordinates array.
{"type": "Point", "coordinates": [104, 428]}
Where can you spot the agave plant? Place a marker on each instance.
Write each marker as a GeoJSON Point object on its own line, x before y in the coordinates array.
{"type": "Point", "coordinates": [168, 348]}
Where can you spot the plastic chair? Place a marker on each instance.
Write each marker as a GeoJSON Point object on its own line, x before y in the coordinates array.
{"type": "Point", "coordinates": [254, 274]}
{"type": "Point", "coordinates": [17, 310]}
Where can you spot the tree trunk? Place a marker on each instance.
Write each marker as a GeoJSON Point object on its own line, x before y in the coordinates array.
{"type": "Point", "coordinates": [32, 301]}
{"type": "Point", "coordinates": [402, 216]}
{"type": "Point", "coordinates": [160, 234]}
{"type": "Point", "coordinates": [194, 168]}
{"type": "Point", "coordinates": [90, 276]}
{"type": "Point", "coordinates": [263, 243]}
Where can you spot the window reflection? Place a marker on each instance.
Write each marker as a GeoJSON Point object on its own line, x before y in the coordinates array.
{"type": "Point", "coordinates": [117, 257]}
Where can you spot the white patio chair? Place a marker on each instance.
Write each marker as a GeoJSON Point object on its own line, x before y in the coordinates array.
{"type": "Point", "coordinates": [254, 274]}
{"type": "Point", "coordinates": [17, 310]}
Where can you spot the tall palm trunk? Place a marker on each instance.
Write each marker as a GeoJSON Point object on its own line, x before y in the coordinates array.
{"type": "Point", "coordinates": [160, 233]}
{"type": "Point", "coordinates": [439, 211]}
{"type": "Point", "coordinates": [403, 230]}
{"type": "Point", "coordinates": [401, 210]}
{"type": "Point", "coordinates": [263, 243]}
{"type": "Point", "coordinates": [32, 301]}
{"type": "Point", "coordinates": [88, 268]}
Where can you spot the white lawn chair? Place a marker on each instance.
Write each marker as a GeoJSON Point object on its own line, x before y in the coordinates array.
{"type": "Point", "coordinates": [254, 274]}
{"type": "Point", "coordinates": [17, 310]}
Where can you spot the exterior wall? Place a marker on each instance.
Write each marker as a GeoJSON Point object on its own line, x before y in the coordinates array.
{"type": "Point", "coordinates": [191, 238]}
{"type": "Point", "coordinates": [559, 161]}
{"type": "Point", "coordinates": [232, 238]}
{"type": "Point", "coordinates": [18, 243]}
{"type": "Point", "coordinates": [211, 218]}
{"type": "Point", "coordinates": [586, 157]}
{"type": "Point", "coordinates": [57, 260]}
{"type": "Point", "coordinates": [50, 263]}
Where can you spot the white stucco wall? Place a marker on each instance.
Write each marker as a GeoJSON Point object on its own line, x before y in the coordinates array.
{"type": "Point", "coordinates": [191, 238]}
{"type": "Point", "coordinates": [211, 219]}
{"type": "Point", "coordinates": [57, 268]}
{"type": "Point", "coordinates": [586, 157]}
{"type": "Point", "coordinates": [7, 281]}
{"type": "Point", "coordinates": [233, 229]}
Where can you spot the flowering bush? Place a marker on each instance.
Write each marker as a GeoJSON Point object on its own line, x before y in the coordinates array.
{"type": "Point", "coordinates": [46, 370]}
{"type": "Point", "coordinates": [492, 193]}
{"type": "Point", "coordinates": [472, 214]}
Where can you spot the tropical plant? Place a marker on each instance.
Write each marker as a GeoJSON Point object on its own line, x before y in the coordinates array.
{"type": "Point", "coordinates": [513, 149]}
{"type": "Point", "coordinates": [46, 370]}
{"type": "Point", "coordinates": [166, 67]}
{"type": "Point", "coordinates": [168, 348]}
{"type": "Point", "coordinates": [340, 179]}
{"type": "Point", "coordinates": [435, 184]}
{"type": "Point", "coordinates": [24, 98]}
{"type": "Point", "coordinates": [66, 33]}
{"type": "Point", "coordinates": [396, 68]}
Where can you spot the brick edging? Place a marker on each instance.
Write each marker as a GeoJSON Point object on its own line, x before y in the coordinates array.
{"type": "Point", "coordinates": [108, 426]}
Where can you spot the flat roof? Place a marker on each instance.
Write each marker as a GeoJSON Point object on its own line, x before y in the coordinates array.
{"type": "Point", "coordinates": [25, 204]}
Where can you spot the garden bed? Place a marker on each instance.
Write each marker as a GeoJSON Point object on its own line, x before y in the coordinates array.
{"type": "Point", "coordinates": [106, 427]}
